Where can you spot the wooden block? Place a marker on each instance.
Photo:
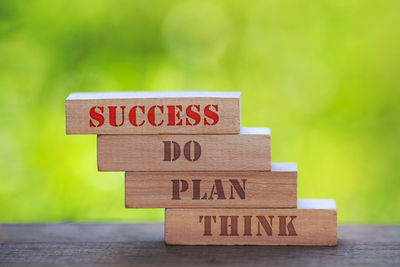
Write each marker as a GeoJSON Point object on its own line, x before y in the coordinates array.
{"type": "Point", "coordinates": [251, 189]}
{"type": "Point", "coordinates": [312, 223]}
{"type": "Point", "coordinates": [153, 113]}
{"type": "Point", "coordinates": [248, 151]}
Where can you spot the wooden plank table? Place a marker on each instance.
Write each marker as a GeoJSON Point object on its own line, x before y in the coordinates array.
{"type": "Point", "coordinates": [143, 244]}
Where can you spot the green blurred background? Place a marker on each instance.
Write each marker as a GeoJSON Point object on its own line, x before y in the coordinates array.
{"type": "Point", "coordinates": [324, 75]}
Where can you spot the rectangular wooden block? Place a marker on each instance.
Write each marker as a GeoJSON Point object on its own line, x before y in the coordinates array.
{"type": "Point", "coordinates": [243, 189]}
{"type": "Point", "coordinates": [153, 113]}
{"type": "Point", "coordinates": [312, 223]}
{"type": "Point", "coordinates": [248, 151]}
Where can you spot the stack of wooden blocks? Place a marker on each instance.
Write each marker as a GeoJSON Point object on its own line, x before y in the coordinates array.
{"type": "Point", "coordinates": [187, 152]}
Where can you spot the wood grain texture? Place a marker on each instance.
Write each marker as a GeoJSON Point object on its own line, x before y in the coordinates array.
{"type": "Point", "coordinates": [277, 188]}
{"type": "Point", "coordinates": [172, 113]}
{"type": "Point", "coordinates": [313, 223]}
{"type": "Point", "coordinates": [143, 245]}
{"type": "Point", "coordinates": [248, 151]}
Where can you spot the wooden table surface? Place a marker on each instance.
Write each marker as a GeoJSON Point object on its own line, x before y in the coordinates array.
{"type": "Point", "coordinates": [143, 244]}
